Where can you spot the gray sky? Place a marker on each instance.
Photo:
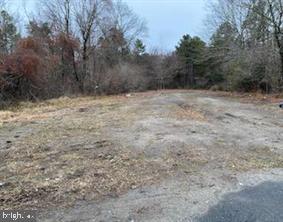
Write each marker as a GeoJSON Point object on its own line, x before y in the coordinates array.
{"type": "Point", "coordinates": [167, 20]}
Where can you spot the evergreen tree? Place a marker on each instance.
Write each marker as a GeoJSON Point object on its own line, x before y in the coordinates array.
{"type": "Point", "coordinates": [8, 33]}
{"type": "Point", "coordinates": [189, 52]}
{"type": "Point", "coordinates": [220, 56]}
{"type": "Point", "coordinates": [224, 37]}
{"type": "Point", "coordinates": [139, 48]}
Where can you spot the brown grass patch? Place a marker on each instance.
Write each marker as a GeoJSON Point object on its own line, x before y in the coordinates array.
{"type": "Point", "coordinates": [70, 158]}
{"type": "Point", "coordinates": [46, 177]}
{"type": "Point", "coordinates": [27, 111]}
{"type": "Point", "coordinates": [185, 111]}
{"type": "Point", "coordinates": [256, 158]}
{"type": "Point", "coordinates": [257, 98]}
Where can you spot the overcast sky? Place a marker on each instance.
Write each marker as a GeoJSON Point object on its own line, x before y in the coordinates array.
{"type": "Point", "coordinates": [167, 20]}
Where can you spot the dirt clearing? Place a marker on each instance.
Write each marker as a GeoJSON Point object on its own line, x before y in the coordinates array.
{"type": "Point", "coordinates": [171, 154]}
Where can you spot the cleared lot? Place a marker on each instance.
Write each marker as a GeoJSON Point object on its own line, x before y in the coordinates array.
{"type": "Point", "coordinates": [157, 156]}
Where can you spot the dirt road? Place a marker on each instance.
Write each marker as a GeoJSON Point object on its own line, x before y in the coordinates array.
{"type": "Point", "coordinates": [162, 156]}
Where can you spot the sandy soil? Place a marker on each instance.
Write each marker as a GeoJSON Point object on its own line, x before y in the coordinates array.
{"type": "Point", "coordinates": [156, 156]}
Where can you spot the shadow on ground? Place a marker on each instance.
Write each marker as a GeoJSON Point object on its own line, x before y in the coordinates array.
{"type": "Point", "coordinates": [263, 203]}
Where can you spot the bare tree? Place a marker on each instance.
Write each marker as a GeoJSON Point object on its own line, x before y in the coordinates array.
{"type": "Point", "coordinates": [273, 14]}
{"type": "Point", "coordinates": [127, 22]}
{"type": "Point", "coordinates": [87, 13]}
{"type": "Point", "coordinates": [275, 11]}
{"type": "Point", "coordinates": [58, 14]}
{"type": "Point", "coordinates": [231, 11]}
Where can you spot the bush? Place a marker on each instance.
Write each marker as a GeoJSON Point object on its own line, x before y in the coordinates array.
{"type": "Point", "coordinates": [217, 88]}
{"type": "Point", "coordinates": [246, 84]}
{"type": "Point", "coordinates": [122, 78]}
{"type": "Point", "coordinates": [265, 86]}
{"type": "Point", "coordinates": [214, 78]}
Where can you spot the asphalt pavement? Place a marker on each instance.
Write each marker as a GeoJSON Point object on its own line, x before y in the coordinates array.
{"type": "Point", "coordinates": [263, 203]}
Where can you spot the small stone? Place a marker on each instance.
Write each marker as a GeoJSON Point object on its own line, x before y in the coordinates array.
{"type": "Point", "coordinates": [179, 154]}
{"type": "Point", "coordinates": [130, 219]}
{"type": "Point", "coordinates": [3, 184]}
{"type": "Point", "coordinates": [42, 168]}
{"type": "Point", "coordinates": [133, 187]}
{"type": "Point", "coordinates": [109, 157]}
{"type": "Point", "coordinates": [128, 95]}
{"type": "Point", "coordinates": [82, 110]}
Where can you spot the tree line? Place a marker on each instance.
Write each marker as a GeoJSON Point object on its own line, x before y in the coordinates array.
{"type": "Point", "coordinates": [246, 50]}
{"type": "Point", "coordinates": [96, 47]}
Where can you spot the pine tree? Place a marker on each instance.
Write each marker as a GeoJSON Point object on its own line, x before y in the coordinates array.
{"type": "Point", "coordinates": [189, 52]}
{"type": "Point", "coordinates": [8, 33]}
{"type": "Point", "coordinates": [139, 48]}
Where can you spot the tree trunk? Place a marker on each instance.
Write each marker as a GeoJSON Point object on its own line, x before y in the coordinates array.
{"type": "Point", "coordinates": [191, 77]}
{"type": "Point", "coordinates": [74, 66]}
{"type": "Point", "coordinates": [279, 42]}
{"type": "Point", "coordinates": [281, 60]}
{"type": "Point", "coordinates": [84, 60]}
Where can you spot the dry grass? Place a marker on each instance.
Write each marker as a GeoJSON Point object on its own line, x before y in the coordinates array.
{"type": "Point", "coordinates": [59, 178]}
{"type": "Point", "coordinates": [189, 160]}
{"type": "Point", "coordinates": [186, 112]}
{"type": "Point", "coordinates": [256, 158]}
{"type": "Point", "coordinates": [258, 98]}
{"type": "Point", "coordinates": [67, 158]}
{"type": "Point", "coordinates": [46, 172]}
{"type": "Point", "coordinates": [27, 111]}
{"type": "Point", "coordinates": [70, 156]}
